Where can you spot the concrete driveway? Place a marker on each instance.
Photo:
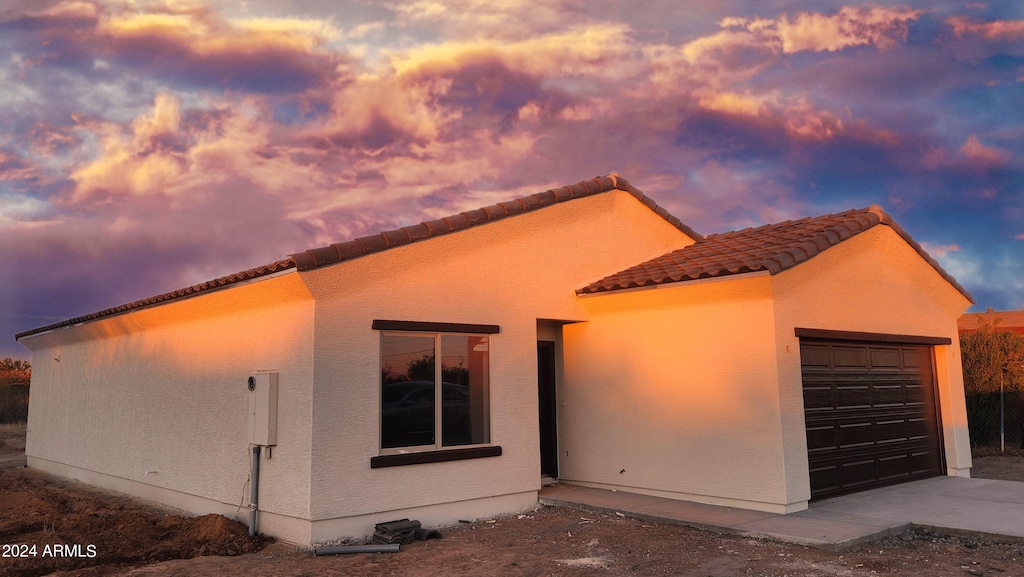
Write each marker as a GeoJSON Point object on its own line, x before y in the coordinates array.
{"type": "Point", "coordinates": [983, 507]}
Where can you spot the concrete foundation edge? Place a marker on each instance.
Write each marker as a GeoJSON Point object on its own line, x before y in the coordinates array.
{"type": "Point", "coordinates": [283, 527]}
{"type": "Point", "coordinates": [291, 529]}
{"type": "Point", "coordinates": [440, 515]}
{"type": "Point", "coordinates": [705, 499]}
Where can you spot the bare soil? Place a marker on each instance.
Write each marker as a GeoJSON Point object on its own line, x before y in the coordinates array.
{"type": "Point", "coordinates": [127, 537]}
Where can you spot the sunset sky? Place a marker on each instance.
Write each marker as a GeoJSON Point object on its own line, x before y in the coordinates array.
{"type": "Point", "coordinates": [148, 146]}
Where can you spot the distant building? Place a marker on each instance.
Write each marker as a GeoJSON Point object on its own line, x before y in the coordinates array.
{"type": "Point", "coordinates": [1004, 321]}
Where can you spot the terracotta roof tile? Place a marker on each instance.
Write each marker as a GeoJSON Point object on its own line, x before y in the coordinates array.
{"type": "Point", "coordinates": [395, 237]}
{"type": "Point", "coordinates": [417, 232]}
{"type": "Point", "coordinates": [347, 249]}
{"type": "Point", "coordinates": [250, 274]}
{"type": "Point", "coordinates": [513, 207]}
{"type": "Point", "coordinates": [530, 202]}
{"type": "Point", "coordinates": [457, 221]}
{"type": "Point", "coordinates": [439, 226]}
{"type": "Point", "coordinates": [772, 248]}
{"type": "Point", "coordinates": [545, 198]}
{"type": "Point", "coordinates": [478, 216]}
{"type": "Point", "coordinates": [371, 243]}
{"type": "Point", "coordinates": [324, 254]}
{"type": "Point", "coordinates": [1004, 321]}
{"type": "Point", "coordinates": [338, 252]}
{"type": "Point", "coordinates": [496, 212]}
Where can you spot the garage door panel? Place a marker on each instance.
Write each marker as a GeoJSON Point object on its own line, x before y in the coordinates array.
{"type": "Point", "coordinates": [916, 359]}
{"type": "Point", "coordinates": [870, 415]}
{"type": "Point", "coordinates": [849, 357]}
{"type": "Point", "coordinates": [814, 356]}
{"type": "Point", "coordinates": [894, 467]}
{"type": "Point", "coordinates": [890, 395]}
{"type": "Point", "coordinates": [924, 462]}
{"type": "Point", "coordinates": [885, 358]}
{"type": "Point", "coordinates": [818, 397]}
{"type": "Point", "coordinates": [822, 438]}
{"type": "Point", "coordinates": [827, 437]}
{"type": "Point", "coordinates": [849, 397]}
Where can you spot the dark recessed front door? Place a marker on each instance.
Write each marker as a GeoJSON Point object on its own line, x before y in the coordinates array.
{"type": "Point", "coordinates": [548, 409]}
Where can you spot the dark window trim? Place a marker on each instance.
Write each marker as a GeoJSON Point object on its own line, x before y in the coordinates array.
{"type": "Point", "coordinates": [831, 335]}
{"type": "Point", "coordinates": [387, 325]}
{"type": "Point", "coordinates": [442, 456]}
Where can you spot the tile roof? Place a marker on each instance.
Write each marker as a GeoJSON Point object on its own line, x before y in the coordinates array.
{"type": "Point", "coordinates": [216, 283]}
{"type": "Point", "coordinates": [1005, 321]}
{"type": "Point", "coordinates": [318, 257]}
{"type": "Point", "coordinates": [334, 253]}
{"type": "Point", "coordinates": [772, 248]}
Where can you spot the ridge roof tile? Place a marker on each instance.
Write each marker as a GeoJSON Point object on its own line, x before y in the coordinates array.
{"type": "Point", "coordinates": [337, 252]}
{"type": "Point", "coordinates": [771, 247]}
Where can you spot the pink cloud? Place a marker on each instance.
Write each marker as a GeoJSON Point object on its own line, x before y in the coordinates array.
{"type": "Point", "coordinates": [876, 26]}
{"type": "Point", "coordinates": [1006, 30]}
{"type": "Point", "coordinates": [984, 155]}
{"type": "Point", "coordinates": [940, 250]}
{"type": "Point", "coordinates": [190, 42]}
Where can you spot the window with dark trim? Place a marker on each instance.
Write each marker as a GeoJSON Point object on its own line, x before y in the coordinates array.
{"type": "Point", "coordinates": [434, 386]}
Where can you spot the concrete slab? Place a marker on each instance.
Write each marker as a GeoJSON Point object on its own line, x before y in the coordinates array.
{"type": "Point", "coordinates": [982, 507]}
{"type": "Point", "coordinates": [820, 532]}
{"type": "Point", "coordinates": [702, 513]}
{"type": "Point", "coordinates": [599, 497]}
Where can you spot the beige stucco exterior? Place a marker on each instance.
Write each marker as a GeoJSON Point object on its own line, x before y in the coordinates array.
{"type": "Point", "coordinates": [509, 273]}
{"type": "Point", "coordinates": [876, 283]}
{"type": "Point", "coordinates": [690, 390]}
{"type": "Point", "coordinates": [693, 390]}
{"type": "Point", "coordinates": [153, 402]}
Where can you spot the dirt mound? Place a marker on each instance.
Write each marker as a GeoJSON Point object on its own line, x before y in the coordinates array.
{"type": "Point", "coordinates": [48, 524]}
{"type": "Point", "coordinates": [210, 535]}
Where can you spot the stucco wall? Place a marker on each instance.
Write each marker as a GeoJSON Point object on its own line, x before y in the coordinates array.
{"type": "Point", "coordinates": [693, 391]}
{"type": "Point", "coordinates": [508, 273]}
{"type": "Point", "coordinates": [155, 400]}
{"type": "Point", "coordinates": [672, 391]}
{"type": "Point", "coordinates": [877, 283]}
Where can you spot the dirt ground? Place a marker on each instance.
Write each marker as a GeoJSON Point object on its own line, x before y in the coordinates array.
{"type": "Point", "coordinates": [100, 533]}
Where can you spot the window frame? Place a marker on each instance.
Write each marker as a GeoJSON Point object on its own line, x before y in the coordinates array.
{"type": "Point", "coordinates": [435, 452]}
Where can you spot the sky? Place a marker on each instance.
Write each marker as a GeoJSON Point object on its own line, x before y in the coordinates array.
{"type": "Point", "coordinates": [146, 146]}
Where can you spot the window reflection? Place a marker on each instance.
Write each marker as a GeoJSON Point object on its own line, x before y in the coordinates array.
{"type": "Point", "coordinates": [410, 396]}
{"type": "Point", "coordinates": [407, 391]}
{"type": "Point", "coordinates": [464, 402]}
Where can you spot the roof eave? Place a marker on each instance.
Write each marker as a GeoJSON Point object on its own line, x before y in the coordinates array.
{"type": "Point", "coordinates": [335, 253]}
{"type": "Point", "coordinates": [241, 278]}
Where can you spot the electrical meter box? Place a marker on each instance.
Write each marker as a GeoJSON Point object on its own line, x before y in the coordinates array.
{"type": "Point", "coordinates": [263, 409]}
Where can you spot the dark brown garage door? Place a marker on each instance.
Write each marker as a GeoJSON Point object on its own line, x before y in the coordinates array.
{"type": "Point", "coordinates": [871, 415]}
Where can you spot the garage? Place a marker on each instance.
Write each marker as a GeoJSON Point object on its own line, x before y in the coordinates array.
{"type": "Point", "coordinates": [870, 411]}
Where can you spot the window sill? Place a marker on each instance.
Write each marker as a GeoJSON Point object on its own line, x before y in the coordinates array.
{"type": "Point", "coordinates": [401, 459]}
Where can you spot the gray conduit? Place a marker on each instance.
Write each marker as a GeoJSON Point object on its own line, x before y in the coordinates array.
{"type": "Point", "coordinates": [255, 490]}
{"type": "Point", "coordinates": [347, 549]}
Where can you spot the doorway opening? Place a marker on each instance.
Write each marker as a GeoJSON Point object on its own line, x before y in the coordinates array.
{"type": "Point", "coordinates": [548, 409]}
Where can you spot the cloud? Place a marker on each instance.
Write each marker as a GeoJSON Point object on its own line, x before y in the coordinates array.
{"type": "Point", "coordinates": [880, 27]}
{"type": "Point", "coordinates": [184, 42]}
{"type": "Point", "coordinates": [940, 250]}
{"type": "Point", "coordinates": [876, 26]}
{"type": "Point", "coordinates": [1001, 30]}
{"type": "Point", "coordinates": [173, 142]}
{"type": "Point", "coordinates": [984, 155]}
{"type": "Point", "coordinates": [595, 50]}
{"type": "Point", "coordinates": [18, 207]}
{"type": "Point", "coordinates": [147, 163]}
{"type": "Point", "coordinates": [483, 18]}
